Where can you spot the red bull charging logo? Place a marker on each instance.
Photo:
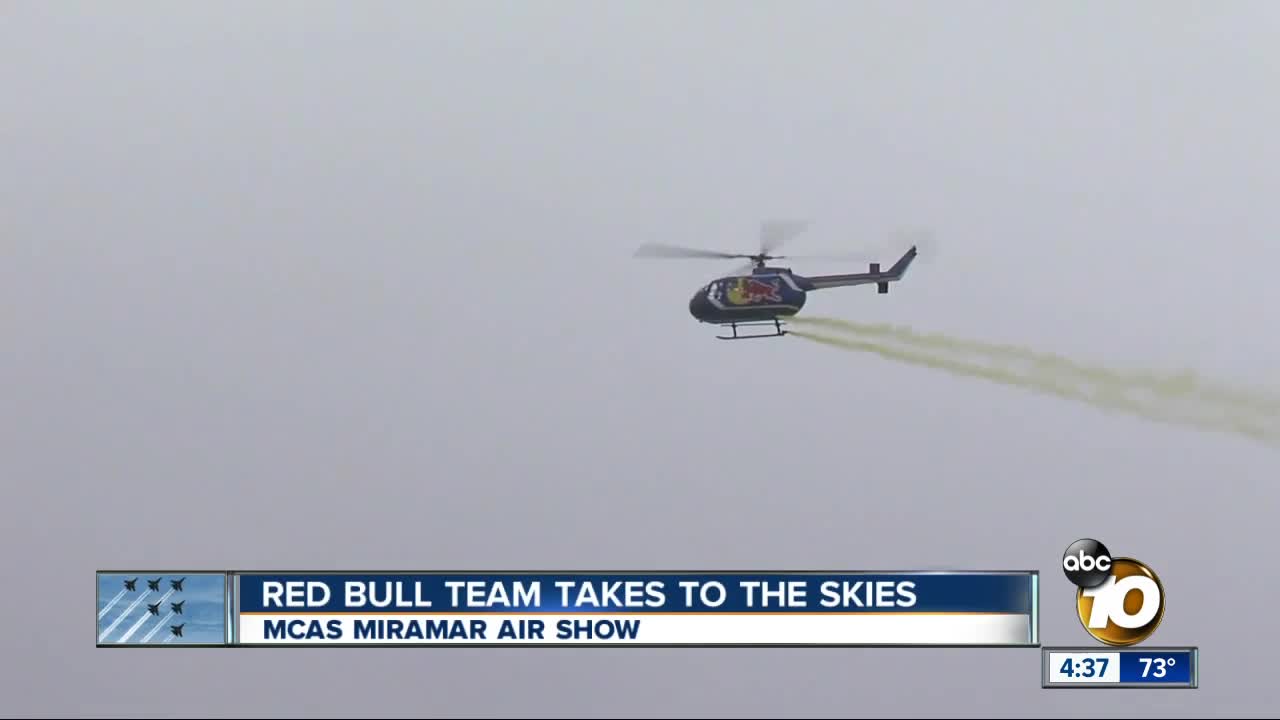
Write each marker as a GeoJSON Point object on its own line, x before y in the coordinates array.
{"type": "Point", "coordinates": [747, 291]}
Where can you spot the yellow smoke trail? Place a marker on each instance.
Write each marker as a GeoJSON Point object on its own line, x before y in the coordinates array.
{"type": "Point", "coordinates": [1101, 396]}
{"type": "Point", "coordinates": [1184, 385]}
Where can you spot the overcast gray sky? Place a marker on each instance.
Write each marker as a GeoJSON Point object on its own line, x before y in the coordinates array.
{"type": "Point", "coordinates": [349, 285]}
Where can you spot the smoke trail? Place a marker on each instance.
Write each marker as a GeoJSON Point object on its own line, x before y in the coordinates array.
{"type": "Point", "coordinates": [152, 632]}
{"type": "Point", "coordinates": [169, 639]}
{"type": "Point", "coordinates": [143, 619]}
{"type": "Point", "coordinates": [116, 623]}
{"type": "Point", "coordinates": [1182, 386]}
{"type": "Point", "coordinates": [110, 604]}
{"type": "Point", "coordinates": [1102, 397]}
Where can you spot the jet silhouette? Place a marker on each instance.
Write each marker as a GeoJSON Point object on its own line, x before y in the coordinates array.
{"type": "Point", "coordinates": [153, 609]}
{"type": "Point", "coordinates": [176, 630]}
{"type": "Point", "coordinates": [154, 584]}
{"type": "Point", "coordinates": [129, 584]}
{"type": "Point", "coordinates": [177, 584]}
{"type": "Point", "coordinates": [177, 607]}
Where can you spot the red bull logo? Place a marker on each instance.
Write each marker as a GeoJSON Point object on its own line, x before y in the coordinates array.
{"type": "Point", "coordinates": [747, 291]}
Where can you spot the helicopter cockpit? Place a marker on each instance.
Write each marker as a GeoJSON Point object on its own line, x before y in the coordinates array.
{"type": "Point", "coordinates": [707, 298]}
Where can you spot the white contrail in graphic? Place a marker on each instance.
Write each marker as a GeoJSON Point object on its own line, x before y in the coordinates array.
{"type": "Point", "coordinates": [132, 606]}
{"type": "Point", "coordinates": [143, 619]}
{"type": "Point", "coordinates": [170, 638]}
{"type": "Point", "coordinates": [110, 604]}
{"type": "Point", "coordinates": [152, 632]}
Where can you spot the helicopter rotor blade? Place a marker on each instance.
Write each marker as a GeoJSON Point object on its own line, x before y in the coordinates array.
{"type": "Point", "coordinates": [774, 233]}
{"type": "Point", "coordinates": [885, 251]}
{"type": "Point", "coordinates": [663, 250]}
{"type": "Point", "coordinates": [863, 256]}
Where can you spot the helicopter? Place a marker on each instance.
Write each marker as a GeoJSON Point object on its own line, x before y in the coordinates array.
{"type": "Point", "coordinates": [760, 294]}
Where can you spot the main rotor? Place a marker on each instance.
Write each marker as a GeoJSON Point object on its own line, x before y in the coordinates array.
{"type": "Point", "coordinates": [773, 234]}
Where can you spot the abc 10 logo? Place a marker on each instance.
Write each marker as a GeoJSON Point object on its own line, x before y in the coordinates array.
{"type": "Point", "coordinates": [1120, 601]}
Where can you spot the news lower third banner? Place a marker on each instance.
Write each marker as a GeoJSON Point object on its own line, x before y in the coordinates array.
{"type": "Point", "coordinates": [569, 608]}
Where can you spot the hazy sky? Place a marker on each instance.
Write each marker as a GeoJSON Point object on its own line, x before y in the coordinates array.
{"type": "Point", "coordinates": [349, 285]}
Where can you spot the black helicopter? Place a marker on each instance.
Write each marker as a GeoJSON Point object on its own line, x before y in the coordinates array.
{"type": "Point", "coordinates": [760, 294]}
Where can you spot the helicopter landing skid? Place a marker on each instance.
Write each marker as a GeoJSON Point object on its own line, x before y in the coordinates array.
{"type": "Point", "coordinates": [777, 326]}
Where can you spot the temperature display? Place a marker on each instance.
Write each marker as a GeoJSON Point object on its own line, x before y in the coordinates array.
{"type": "Point", "coordinates": [1155, 667]}
{"type": "Point", "coordinates": [1119, 667]}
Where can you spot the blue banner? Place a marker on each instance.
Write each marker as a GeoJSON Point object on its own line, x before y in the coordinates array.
{"type": "Point", "coordinates": [631, 592]}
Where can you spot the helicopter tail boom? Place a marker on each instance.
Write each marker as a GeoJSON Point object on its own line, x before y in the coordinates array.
{"type": "Point", "coordinates": [880, 279]}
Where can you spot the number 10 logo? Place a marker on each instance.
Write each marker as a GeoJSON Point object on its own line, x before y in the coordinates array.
{"type": "Point", "coordinates": [1124, 609]}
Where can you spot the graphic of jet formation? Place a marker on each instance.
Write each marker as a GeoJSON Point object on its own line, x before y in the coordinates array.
{"type": "Point", "coordinates": [154, 608]}
{"type": "Point", "coordinates": [154, 585]}
{"type": "Point", "coordinates": [176, 608]}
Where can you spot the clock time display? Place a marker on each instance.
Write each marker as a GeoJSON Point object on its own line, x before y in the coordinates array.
{"type": "Point", "coordinates": [1084, 667]}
